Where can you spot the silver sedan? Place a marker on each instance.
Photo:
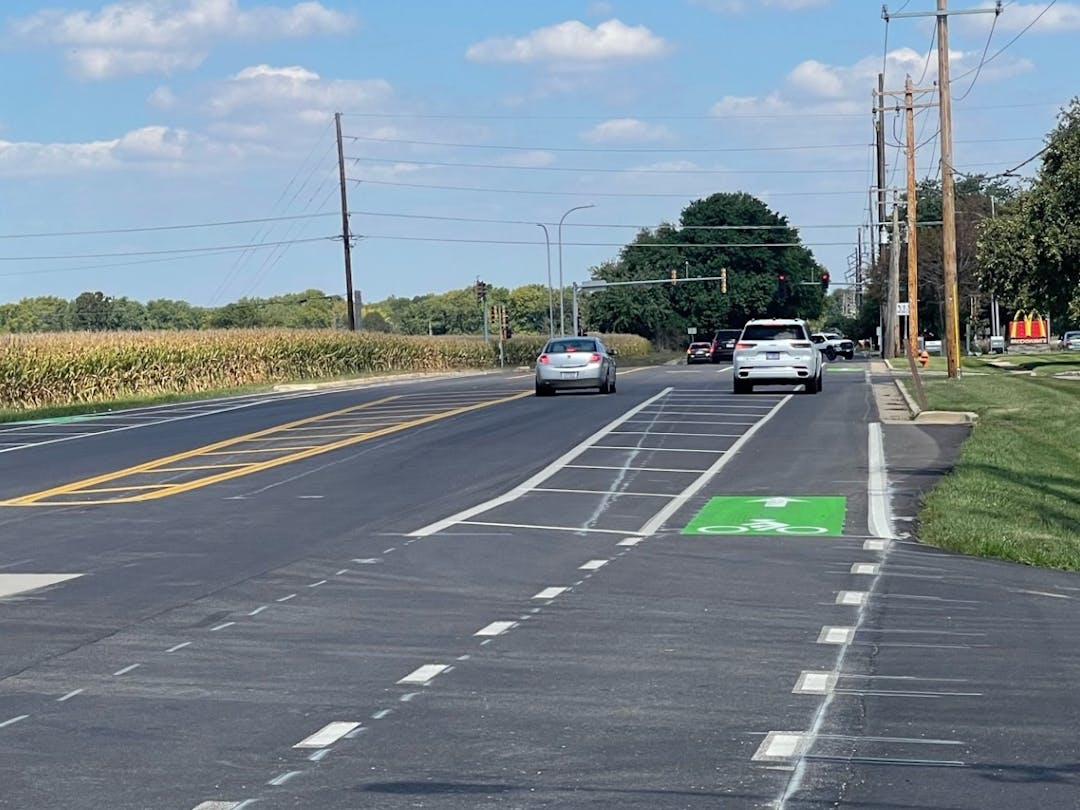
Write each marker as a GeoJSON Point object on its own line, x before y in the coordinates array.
{"type": "Point", "coordinates": [575, 362]}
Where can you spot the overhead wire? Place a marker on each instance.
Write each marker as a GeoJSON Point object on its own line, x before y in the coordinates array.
{"type": "Point", "coordinates": [548, 193]}
{"type": "Point", "coordinates": [603, 149]}
{"type": "Point", "coordinates": [982, 61]}
{"type": "Point", "coordinates": [1009, 44]}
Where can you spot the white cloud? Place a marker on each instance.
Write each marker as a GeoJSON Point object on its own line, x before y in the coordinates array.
{"type": "Point", "coordinates": [737, 6]}
{"type": "Point", "coordinates": [1018, 16]}
{"type": "Point", "coordinates": [622, 130]}
{"type": "Point", "coordinates": [163, 98]}
{"type": "Point", "coordinates": [294, 90]}
{"type": "Point", "coordinates": [151, 145]}
{"type": "Point", "coordinates": [817, 79]}
{"type": "Point", "coordinates": [573, 43]}
{"type": "Point", "coordinates": [134, 37]}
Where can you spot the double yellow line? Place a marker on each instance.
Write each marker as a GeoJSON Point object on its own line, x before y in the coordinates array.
{"type": "Point", "coordinates": [56, 496]}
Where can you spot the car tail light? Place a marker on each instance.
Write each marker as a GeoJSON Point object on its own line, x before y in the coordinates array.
{"type": "Point", "coordinates": [543, 359]}
{"type": "Point", "coordinates": [745, 345]}
{"type": "Point", "coordinates": [595, 358]}
{"type": "Point", "coordinates": [801, 345]}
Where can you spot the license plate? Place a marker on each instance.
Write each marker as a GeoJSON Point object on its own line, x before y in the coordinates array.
{"type": "Point", "coordinates": [569, 375]}
{"type": "Point", "coordinates": [772, 355]}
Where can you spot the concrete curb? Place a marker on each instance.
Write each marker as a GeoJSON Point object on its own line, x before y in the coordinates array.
{"type": "Point", "coordinates": [922, 417]}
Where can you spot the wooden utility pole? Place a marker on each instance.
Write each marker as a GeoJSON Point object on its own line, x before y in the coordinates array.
{"type": "Point", "coordinates": [948, 196]}
{"type": "Point", "coordinates": [912, 219]}
{"type": "Point", "coordinates": [345, 236]}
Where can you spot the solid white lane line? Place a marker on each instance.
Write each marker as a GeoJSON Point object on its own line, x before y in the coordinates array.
{"type": "Point", "coordinates": [687, 422]}
{"type": "Point", "coordinates": [593, 565]}
{"type": "Point", "coordinates": [865, 568]}
{"type": "Point", "coordinates": [221, 626]}
{"type": "Point", "coordinates": [327, 735]}
{"type": "Point", "coordinates": [651, 450]}
{"type": "Point", "coordinates": [550, 593]}
{"type": "Point", "coordinates": [216, 806]}
{"type": "Point", "coordinates": [815, 683]}
{"type": "Point", "coordinates": [836, 635]}
{"type": "Point", "coordinates": [69, 695]}
{"type": "Point", "coordinates": [495, 629]}
{"type": "Point", "coordinates": [126, 670]}
{"type": "Point", "coordinates": [539, 477]}
{"type": "Point", "coordinates": [179, 646]}
{"type": "Point", "coordinates": [879, 519]}
{"type": "Point", "coordinates": [779, 745]}
{"type": "Point", "coordinates": [539, 527]}
{"type": "Point", "coordinates": [424, 675]}
{"type": "Point", "coordinates": [666, 433]}
{"type": "Point", "coordinates": [679, 501]}
{"type": "Point", "coordinates": [630, 541]}
{"type": "Point", "coordinates": [851, 597]}
{"type": "Point", "coordinates": [11, 584]}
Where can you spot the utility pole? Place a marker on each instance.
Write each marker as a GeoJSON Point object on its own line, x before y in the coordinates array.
{"type": "Point", "coordinates": [345, 236]}
{"type": "Point", "coordinates": [948, 192]}
{"type": "Point", "coordinates": [948, 196]}
{"type": "Point", "coordinates": [892, 327]}
{"type": "Point", "coordinates": [858, 272]}
{"type": "Point", "coordinates": [880, 142]}
{"type": "Point", "coordinates": [912, 220]}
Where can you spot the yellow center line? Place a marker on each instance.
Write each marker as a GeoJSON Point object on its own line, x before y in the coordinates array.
{"type": "Point", "coordinates": [261, 450]}
{"type": "Point", "coordinates": [130, 488]}
{"type": "Point", "coordinates": [192, 467]}
{"type": "Point", "coordinates": [221, 448]}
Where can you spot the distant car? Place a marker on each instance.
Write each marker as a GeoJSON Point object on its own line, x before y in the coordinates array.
{"type": "Point", "coordinates": [723, 344]}
{"type": "Point", "coordinates": [575, 362]}
{"type": "Point", "coordinates": [699, 352]}
{"type": "Point", "coordinates": [833, 344]}
{"type": "Point", "coordinates": [1070, 341]}
{"type": "Point", "coordinates": [776, 351]}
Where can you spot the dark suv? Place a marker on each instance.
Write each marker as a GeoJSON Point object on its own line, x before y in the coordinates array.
{"type": "Point", "coordinates": [723, 344]}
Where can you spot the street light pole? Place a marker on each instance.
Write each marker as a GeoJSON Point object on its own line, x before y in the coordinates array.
{"type": "Point", "coordinates": [562, 297]}
{"type": "Point", "coordinates": [551, 293]}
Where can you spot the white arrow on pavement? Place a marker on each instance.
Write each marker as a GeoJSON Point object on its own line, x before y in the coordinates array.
{"type": "Point", "coordinates": [772, 503]}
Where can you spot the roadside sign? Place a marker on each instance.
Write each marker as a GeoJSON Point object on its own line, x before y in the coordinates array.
{"type": "Point", "coordinates": [903, 308]}
{"type": "Point", "coordinates": [691, 330]}
{"type": "Point", "coordinates": [758, 515]}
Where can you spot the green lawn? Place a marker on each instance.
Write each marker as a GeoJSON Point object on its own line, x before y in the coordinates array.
{"type": "Point", "coordinates": [1015, 492]}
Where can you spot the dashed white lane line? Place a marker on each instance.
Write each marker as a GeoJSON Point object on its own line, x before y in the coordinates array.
{"type": "Point", "coordinates": [179, 646]}
{"type": "Point", "coordinates": [855, 598]}
{"type": "Point", "coordinates": [815, 683]}
{"type": "Point", "coordinates": [286, 598]}
{"type": "Point", "coordinates": [495, 629]}
{"type": "Point", "coordinates": [876, 545]}
{"type": "Point", "coordinates": [870, 569]}
{"type": "Point", "coordinates": [221, 626]}
{"type": "Point", "coordinates": [621, 494]}
{"type": "Point", "coordinates": [217, 806]}
{"type": "Point", "coordinates": [779, 746]}
{"type": "Point", "coordinates": [540, 527]}
{"type": "Point", "coordinates": [836, 635]}
{"type": "Point", "coordinates": [382, 713]}
{"type": "Point", "coordinates": [14, 720]}
{"type": "Point", "coordinates": [258, 610]}
{"type": "Point", "coordinates": [342, 572]}
{"type": "Point", "coordinates": [424, 675]}
{"type": "Point", "coordinates": [327, 735]}
{"type": "Point", "coordinates": [686, 470]}
{"type": "Point", "coordinates": [593, 565]}
{"type": "Point", "coordinates": [550, 593]}
{"type": "Point", "coordinates": [630, 541]}
{"type": "Point", "coordinates": [317, 584]}
{"type": "Point", "coordinates": [69, 695]}
{"type": "Point", "coordinates": [277, 781]}
{"type": "Point", "coordinates": [126, 670]}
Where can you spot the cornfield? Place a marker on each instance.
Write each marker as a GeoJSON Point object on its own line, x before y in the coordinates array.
{"type": "Point", "coordinates": [39, 371]}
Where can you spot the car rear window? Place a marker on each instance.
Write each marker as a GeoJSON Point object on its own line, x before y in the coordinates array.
{"type": "Point", "coordinates": [728, 334]}
{"type": "Point", "coordinates": [700, 345]}
{"type": "Point", "coordinates": [563, 346]}
{"type": "Point", "coordinates": [778, 331]}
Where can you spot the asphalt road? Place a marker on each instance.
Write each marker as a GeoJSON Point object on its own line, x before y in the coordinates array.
{"type": "Point", "coordinates": [449, 596]}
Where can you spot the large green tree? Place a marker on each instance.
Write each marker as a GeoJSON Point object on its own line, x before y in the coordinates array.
{"type": "Point", "coordinates": [735, 232]}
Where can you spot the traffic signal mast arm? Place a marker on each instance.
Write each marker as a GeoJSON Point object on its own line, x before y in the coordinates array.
{"type": "Point", "coordinates": [596, 285]}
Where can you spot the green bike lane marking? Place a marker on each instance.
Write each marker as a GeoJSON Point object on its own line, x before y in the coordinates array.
{"type": "Point", "coordinates": [770, 515]}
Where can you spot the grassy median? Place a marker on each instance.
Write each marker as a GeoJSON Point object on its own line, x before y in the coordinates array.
{"type": "Point", "coordinates": [1015, 492]}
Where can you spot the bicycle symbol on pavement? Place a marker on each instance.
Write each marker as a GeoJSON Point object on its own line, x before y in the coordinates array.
{"type": "Point", "coordinates": [762, 526]}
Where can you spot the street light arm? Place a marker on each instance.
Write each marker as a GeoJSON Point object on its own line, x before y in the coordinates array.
{"type": "Point", "coordinates": [562, 287]}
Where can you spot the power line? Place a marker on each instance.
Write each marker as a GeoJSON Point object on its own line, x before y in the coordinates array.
{"type": "Point", "coordinates": [679, 194]}
{"type": "Point", "coordinates": [153, 228]}
{"type": "Point", "coordinates": [597, 170]}
{"type": "Point", "coordinates": [532, 223]}
{"type": "Point", "coordinates": [1008, 44]}
{"type": "Point", "coordinates": [163, 252]}
{"type": "Point", "coordinates": [534, 242]}
{"type": "Point", "coordinates": [605, 149]}
{"type": "Point", "coordinates": [982, 60]}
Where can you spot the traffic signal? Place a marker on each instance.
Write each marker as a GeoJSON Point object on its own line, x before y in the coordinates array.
{"type": "Point", "coordinates": [825, 281]}
{"type": "Point", "coordinates": [493, 314]}
{"type": "Point", "coordinates": [782, 288]}
{"type": "Point", "coordinates": [481, 291]}
{"type": "Point", "coordinates": [723, 279]}
{"type": "Point", "coordinates": [505, 322]}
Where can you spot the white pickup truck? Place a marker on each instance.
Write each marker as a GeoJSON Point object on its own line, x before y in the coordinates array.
{"type": "Point", "coordinates": [833, 345]}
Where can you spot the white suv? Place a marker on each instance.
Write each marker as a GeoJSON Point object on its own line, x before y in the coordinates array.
{"type": "Point", "coordinates": [776, 351]}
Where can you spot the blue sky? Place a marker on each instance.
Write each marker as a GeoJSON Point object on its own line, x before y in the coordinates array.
{"type": "Point", "coordinates": [140, 114]}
